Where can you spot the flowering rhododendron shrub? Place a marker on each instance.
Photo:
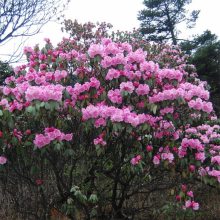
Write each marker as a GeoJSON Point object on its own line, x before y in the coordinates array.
{"type": "Point", "coordinates": [90, 128]}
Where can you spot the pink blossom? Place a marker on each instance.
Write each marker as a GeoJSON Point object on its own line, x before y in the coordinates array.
{"type": "Point", "coordinates": [183, 187]}
{"type": "Point", "coordinates": [216, 159]}
{"type": "Point", "coordinates": [100, 122]}
{"type": "Point", "coordinates": [68, 137]}
{"type": "Point", "coordinates": [190, 193]}
{"type": "Point", "coordinates": [200, 156]}
{"type": "Point", "coordinates": [167, 110]}
{"type": "Point", "coordinates": [136, 160]}
{"type": "Point", "coordinates": [192, 168]}
{"type": "Point", "coordinates": [115, 96]}
{"type": "Point", "coordinates": [127, 86]}
{"type": "Point", "coordinates": [149, 148]}
{"type": "Point", "coordinates": [96, 49]}
{"type": "Point", "coordinates": [112, 74]}
{"type": "Point", "coordinates": [112, 48]}
{"type": "Point", "coordinates": [195, 205]}
{"type": "Point", "coordinates": [99, 141]}
{"type": "Point", "coordinates": [138, 56]}
{"type": "Point", "coordinates": [188, 204]}
{"type": "Point", "coordinates": [41, 140]}
{"type": "Point", "coordinates": [49, 135]}
{"type": "Point", "coordinates": [170, 74]}
{"type": "Point", "coordinates": [156, 160]}
{"type": "Point", "coordinates": [44, 93]}
{"type": "Point", "coordinates": [167, 156]}
{"type": "Point", "coordinates": [142, 89]}
{"type": "Point", "coordinates": [3, 160]}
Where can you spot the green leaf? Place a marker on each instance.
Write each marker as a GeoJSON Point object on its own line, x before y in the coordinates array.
{"type": "Point", "coordinates": [31, 109]}
{"type": "Point", "coordinates": [99, 150]}
{"type": "Point", "coordinates": [47, 105]}
{"type": "Point", "coordinates": [93, 198]}
{"type": "Point", "coordinates": [28, 143]}
{"type": "Point", "coordinates": [42, 104]}
{"type": "Point", "coordinates": [145, 127]}
{"type": "Point", "coordinates": [154, 109]}
{"type": "Point", "coordinates": [69, 152]}
{"type": "Point", "coordinates": [58, 146]}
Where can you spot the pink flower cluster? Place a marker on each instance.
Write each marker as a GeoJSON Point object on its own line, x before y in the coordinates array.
{"type": "Point", "coordinates": [163, 154]}
{"type": "Point", "coordinates": [117, 115]}
{"type": "Point", "coordinates": [137, 56]}
{"type": "Point", "coordinates": [142, 89]}
{"type": "Point", "coordinates": [192, 90]}
{"type": "Point", "coordinates": [126, 87]}
{"type": "Point", "coordinates": [96, 49]}
{"type": "Point", "coordinates": [199, 139]}
{"type": "Point", "coordinates": [168, 94]}
{"type": "Point", "coordinates": [43, 77]}
{"type": "Point", "coordinates": [59, 75]}
{"type": "Point", "coordinates": [81, 88]}
{"type": "Point", "coordinates": [113, 53]}
{"type": "Point", "coordinates": [170, 74]}
{"type": "Point", "coordinates": [115, 96]}
{"type": "Point", "coordinates": [149, 67]}
{"type": "Point", "coordinates": [99, 141]}
{"type": "Point", "coordinates": [185, 94]}
{"type": "Point", "coordinates": [50, 134]}
{"type": "Point", "coordinates": [116, 50]}
{"type": "Point", "coordinates": [191, 204]}
{"type": "Point", "coordinates": [198, 104]}
{"type": "Point", "coordinates": [167, 110]}
{"type": "Point", "coordinates": [216, 159]}
{"type": "Point", "coordinates": [112, 74]}
{"type": "Point", "coordinates": [166, 129]}
{"type": "Point", "coordinates": [192, 144]}
{"type": "Point", "coordinates": [118, 59]}
{"type": "Point", "coordinates": [136, 160]}
{"type": "Point", "coordinates": [188, 197]}
{"type": "Point", "coordinates": [44, 93]}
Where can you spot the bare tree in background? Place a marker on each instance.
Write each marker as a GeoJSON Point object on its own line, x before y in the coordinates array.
{"type": "Point", "coordinates": [25, 18]}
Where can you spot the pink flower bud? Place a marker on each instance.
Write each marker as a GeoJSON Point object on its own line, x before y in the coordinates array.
{"type": "Point", "coordinates": [149, 148]}
{"type": "Point", "coordinates": [191, 168]}
{"type": "Point", "coordinates": [39, 182]}
{"type": "Point", "coordinates": [183, 187]}
{"type": "Point", "coordinates": [178, 198]}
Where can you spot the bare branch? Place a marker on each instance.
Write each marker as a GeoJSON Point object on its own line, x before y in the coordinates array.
{"type": "Point", "coordinates": [22, 18]}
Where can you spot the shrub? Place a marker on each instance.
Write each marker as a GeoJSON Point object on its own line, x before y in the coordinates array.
{"type": "Point", "coordinates": [88, 129]}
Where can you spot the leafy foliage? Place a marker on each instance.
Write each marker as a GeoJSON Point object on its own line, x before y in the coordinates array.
{"type": "Point", "coordinates": [5, 71]}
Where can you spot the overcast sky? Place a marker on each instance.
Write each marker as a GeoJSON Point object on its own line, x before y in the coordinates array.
{"type": "Point", "coordinates": [122, 14]}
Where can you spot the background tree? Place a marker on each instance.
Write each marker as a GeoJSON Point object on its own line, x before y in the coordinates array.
{"type": "Point", "coordinates": [160, 18]}
{"type": "Point", "coordinates": [21, 18]}
{"type": "Point", "coordinates": [205, 55]}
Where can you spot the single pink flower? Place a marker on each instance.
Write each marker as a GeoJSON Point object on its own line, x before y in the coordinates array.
{"type": "Point", "coordinates": [3, 160]}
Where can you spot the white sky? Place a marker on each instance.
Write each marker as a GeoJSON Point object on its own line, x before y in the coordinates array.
{"type": "Point", "coordinates": [122, 14]}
